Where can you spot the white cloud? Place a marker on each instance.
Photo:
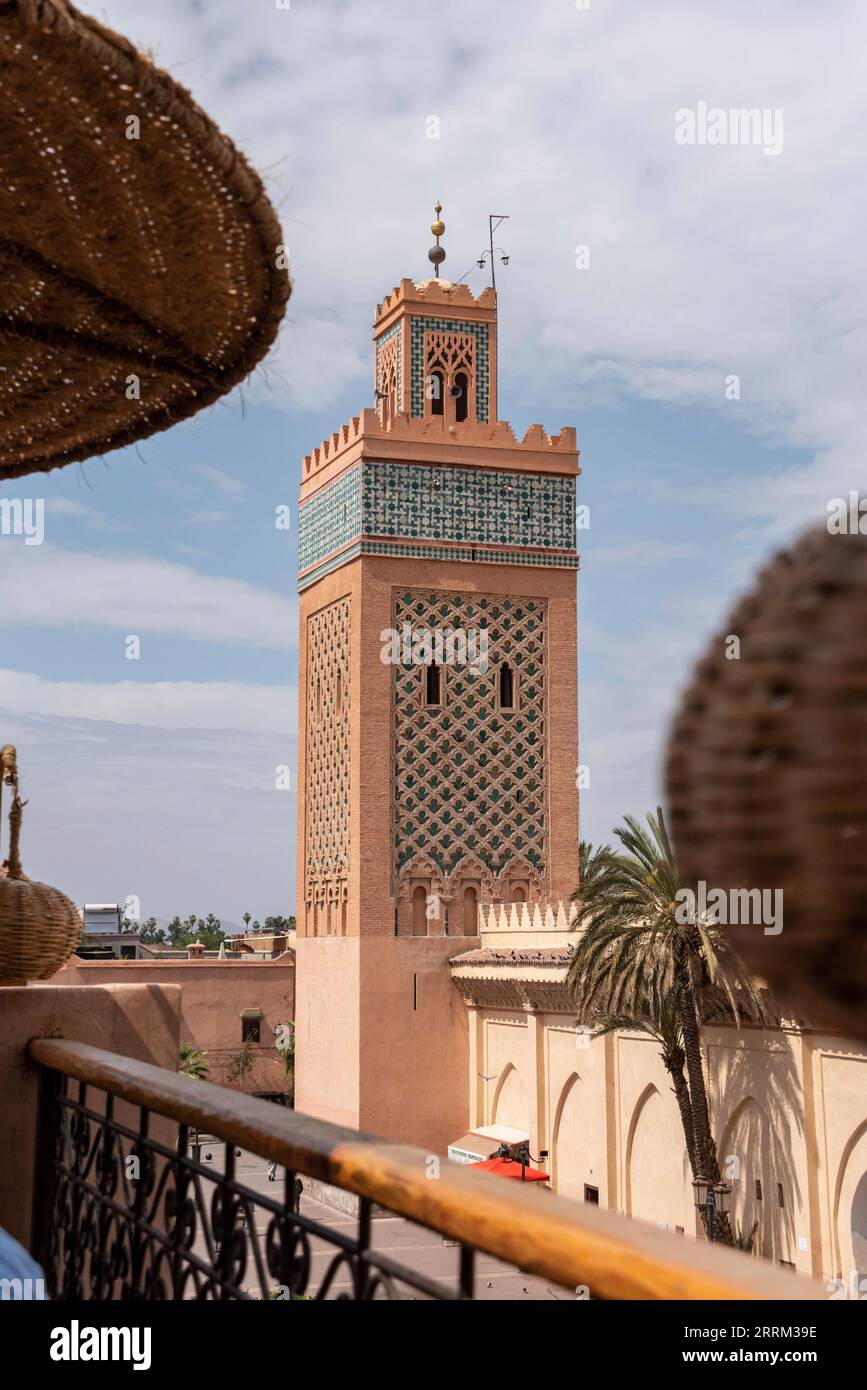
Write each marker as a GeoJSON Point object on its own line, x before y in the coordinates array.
{"type": "Point", "coordinates": [705, 262]}
{"type": "Point", "coordinates": [154, 704]}
{"type": "Point", "coordinates": [641, 553]}
{"type": "Point", "coordinates": [234, 487]}
{"type": "Point", "coordinates": [139, 594]}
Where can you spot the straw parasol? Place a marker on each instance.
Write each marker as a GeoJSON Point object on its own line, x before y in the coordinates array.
{"type": "Point", "coordinates": [766, 776]}
{"type": "Point", "coordinates": [142, 271]}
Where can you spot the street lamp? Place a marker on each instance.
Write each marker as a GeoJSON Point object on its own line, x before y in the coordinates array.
{"type": "Point", "coordinates": [709, 1199]}
{"type": "Point", "coordinates": [524, 1157]}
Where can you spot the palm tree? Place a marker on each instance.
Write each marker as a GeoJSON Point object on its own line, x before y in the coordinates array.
{"type": "Point", "coordinates": [637, 959]}
{"type": "Point", "coordinates": [192, 1062]}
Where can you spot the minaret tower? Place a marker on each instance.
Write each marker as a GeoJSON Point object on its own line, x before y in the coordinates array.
{"type": "Point", "coordinates": [437, 708]}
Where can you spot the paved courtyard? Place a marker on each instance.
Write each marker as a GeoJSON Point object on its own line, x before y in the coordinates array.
{"type": "Point", "coordinates": [412, 1245]}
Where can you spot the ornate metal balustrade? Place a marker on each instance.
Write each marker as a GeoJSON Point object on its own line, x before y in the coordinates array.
{"type": "Point", "coordinates": [122, 1210]}
{"type": "Point", "coordinates": [130, 1218]}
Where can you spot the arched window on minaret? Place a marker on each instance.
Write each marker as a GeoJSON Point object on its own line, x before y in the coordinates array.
{"type": "Point", "coordinates": [433, 685]}
{"type": "Point", "coordinates": [435, 388]}
{"type": "Point", "coordinates": [507, 686]}
{"type": "Point", "coordinates": [419, 911]}
{"type": "Point", "coordinates": [462, 395]}
{"type": "Point", "coordinates": [471, 911]}
{"type": "Point", "coordinates": [390, 403]}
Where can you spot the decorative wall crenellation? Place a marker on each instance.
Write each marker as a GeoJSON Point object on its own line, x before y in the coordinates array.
{"type": "Point", "coordinates": [412, 430]}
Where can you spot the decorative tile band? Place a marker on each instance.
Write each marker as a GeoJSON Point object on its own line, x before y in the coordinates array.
{"type": "Point", "coordinates": [408, 509]}
{"type": "Point", "coordinates": [330, 519]}
{"type": "Point", "coordinates": [433, 552]}
{"type": "Point", "coordinates": [473, 505]}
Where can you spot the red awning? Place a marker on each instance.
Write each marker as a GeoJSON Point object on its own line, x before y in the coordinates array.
{"type": "Point", "coordinates": [508, 1168]}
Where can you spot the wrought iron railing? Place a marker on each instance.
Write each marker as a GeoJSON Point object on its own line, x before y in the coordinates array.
{"type": "Point", "coordinates": [123, 1210]}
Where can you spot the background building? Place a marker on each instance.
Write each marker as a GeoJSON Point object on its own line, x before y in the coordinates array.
{"type": "Point", "coordinates": [788, 1105]}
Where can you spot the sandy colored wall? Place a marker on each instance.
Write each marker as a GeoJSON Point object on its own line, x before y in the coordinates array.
{"type": "Point", "coordinates": [327, 1028]}
{"type": "Point", "coordinates": [789, 1111]}
{"type": "Point", "coordinates": [141, 1021]}
{"type": "Point", "coordinates": [414, 1043]}
{"type": "Point", "coordinates": [213, 993]}
{"type": "Point", "coordinates": [575, 1093]}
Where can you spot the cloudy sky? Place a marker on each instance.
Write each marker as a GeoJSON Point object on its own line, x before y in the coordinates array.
{"type": "Point", "coordinates": [707, 262]}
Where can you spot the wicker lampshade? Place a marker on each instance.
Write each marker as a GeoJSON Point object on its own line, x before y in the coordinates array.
{"type": "Point", "coordinates": [767, 774]}
{"type": "Point", "coordinates": [39, 925]}
{"type": "Point", "coordinates": [141, 270]}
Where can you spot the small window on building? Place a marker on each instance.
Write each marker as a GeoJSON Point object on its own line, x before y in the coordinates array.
{"type": "Point", "coordinates": [781, 1201]}
{"type": "Point", "coordinates": [591, 1195]}
{"type": "Point", "coordinates": [250, 1029]}
{"type": "Point", "coordinates": [435, 391]}
{"type": "Point", "coordinates": [433, 684]}
{"type": "Point", "coordinates": [461, 391]}
{"type": "Point", "coordinates": [507, 686]}
{"type": "Point", "coordinates": [758, 1189]}
{"type": "Point", "coordinates": [471, 911]}
{"type": "Point", "coordinates": [419, 911]}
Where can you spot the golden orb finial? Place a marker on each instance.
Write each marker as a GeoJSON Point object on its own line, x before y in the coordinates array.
{"type": "Point", "coordinates": [436, 255]}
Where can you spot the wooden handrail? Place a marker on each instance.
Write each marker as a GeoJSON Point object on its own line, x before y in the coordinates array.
{"type": "Point", "coordinates": [571, 1244]}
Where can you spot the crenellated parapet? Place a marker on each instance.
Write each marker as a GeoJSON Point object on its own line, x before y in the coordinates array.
{"type": "Point", "coordinates": [434, 293]}
{"type": "Point", "coordinates": [525, 917]}
{"type": "Point", "coordinates": [435, 440]}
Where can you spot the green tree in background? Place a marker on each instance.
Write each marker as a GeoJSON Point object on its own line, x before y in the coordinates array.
{"type": "Point", "coordinates": [241, 1064]}
{"type": "Point", "coordinates": [192, 1062]}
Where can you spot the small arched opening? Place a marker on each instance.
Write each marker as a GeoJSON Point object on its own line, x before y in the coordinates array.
{"type": "Point", "coordinates": [506, 686]}
{"type": "Point", "coordinates": [419, 911]}
{"type": "Point", "coordinates": [435, 392]}
{"type": "Point", "coordinates": [461, 393]}
{"type": "Point", "coordinates": [471, 910]}
{"type": "Point", "coordinates": [433, 684]}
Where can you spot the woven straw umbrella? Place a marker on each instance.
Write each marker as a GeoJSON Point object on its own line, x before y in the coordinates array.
{"type": "Point", "coordinates": [142, 272]}
{"type": "Point", "coordinates": [39, 925]}
{"type": "Point", "coordinates": [766, 775]}
{"type": "Point", "coordinates": [142, 276]}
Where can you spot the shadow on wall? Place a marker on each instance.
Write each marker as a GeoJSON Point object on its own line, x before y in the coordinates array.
{"type": "Point", "coordinates": [761, 1093]}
